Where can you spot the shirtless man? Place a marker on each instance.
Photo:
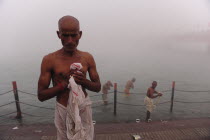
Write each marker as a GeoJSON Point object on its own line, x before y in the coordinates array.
{"type": "Point", "coordinates": [105, 89]}
{"type": "Point", "coordinates": [56, 67]}
{"type": "Point", "coordinates": [149, 99]}
{"type": "Point", "coordinates": [129, 85]}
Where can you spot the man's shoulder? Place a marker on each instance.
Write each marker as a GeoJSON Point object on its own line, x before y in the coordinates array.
{"type": "Point", "coordinates": [51, 55]}
{"type": "Point", "coordinates": [85, 54]}
{"type": "Point", "coordinates": [149, 88]}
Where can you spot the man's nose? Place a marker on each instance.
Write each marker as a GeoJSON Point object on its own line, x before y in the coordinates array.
{"type": "Point", "coordinates": [69, 39]}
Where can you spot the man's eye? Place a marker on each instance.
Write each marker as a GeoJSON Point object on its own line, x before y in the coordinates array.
{"type": "Point", "coordinates": [65, 35]}
{"type": "Point", "coordinates": [73, 35]}
{"type": "Point", "coordinates": [68, 35]}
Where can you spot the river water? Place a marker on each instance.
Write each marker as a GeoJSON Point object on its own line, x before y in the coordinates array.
{"type": "Point", "coordinates": [129, 108]}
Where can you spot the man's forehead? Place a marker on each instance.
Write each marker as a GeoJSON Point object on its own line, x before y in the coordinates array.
{"type": "Point", "coordinates": [69, 28]}
{"type": "Point", "coordinates": [69, 32]}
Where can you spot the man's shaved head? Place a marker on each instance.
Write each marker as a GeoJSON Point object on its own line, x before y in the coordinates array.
{"type": "Point", "coordinates": [133, 79]}
{"type": "Point", "coordinates": [68, 21]}
{"type": "Point", "coordinates": [69, 33]}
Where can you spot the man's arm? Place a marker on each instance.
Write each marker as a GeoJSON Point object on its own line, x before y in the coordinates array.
{"type": "Point", "coordinates": [155, 92]}
{"type": "Point", "coordinates": [44, 92]}
{"type": "Point", "coordinates": [160, 94]}
{"type": "Point", "coordinates": [94, 83]}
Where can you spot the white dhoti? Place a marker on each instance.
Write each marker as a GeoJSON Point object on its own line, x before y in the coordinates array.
{"type": "Point", "coordinates": [74, 122]}
{"type": "Point", "coordinates": [150, 106]}
{"type": "Point", "coordinates": [61, 124]}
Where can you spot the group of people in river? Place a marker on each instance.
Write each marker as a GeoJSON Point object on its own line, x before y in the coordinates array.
{"type": "Point", "coordinates": [148, 100]}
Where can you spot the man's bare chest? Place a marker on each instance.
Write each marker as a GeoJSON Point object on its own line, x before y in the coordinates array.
{"type": "Point", "coordinates": [61, 66]}
{"type": "Point", "coordinates": [152, 90]}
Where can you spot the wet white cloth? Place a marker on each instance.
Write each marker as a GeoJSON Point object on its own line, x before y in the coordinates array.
{"type": "Point", "coordinates": [149, 103]}
{"type": "Point", "coordinates": [61, 123]}
{"type": "Point", "coordinates": [74, 122]}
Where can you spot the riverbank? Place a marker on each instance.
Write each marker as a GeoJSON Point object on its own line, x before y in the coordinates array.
{"type": "Point", "coordinates": [191, 129]}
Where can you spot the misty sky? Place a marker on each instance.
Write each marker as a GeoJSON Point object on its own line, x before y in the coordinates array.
{"type": "Point", "coordinates": [128, 38]}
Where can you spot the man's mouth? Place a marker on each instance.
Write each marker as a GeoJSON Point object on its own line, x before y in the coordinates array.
{"type": "Point", "coordinates": [70, 46]}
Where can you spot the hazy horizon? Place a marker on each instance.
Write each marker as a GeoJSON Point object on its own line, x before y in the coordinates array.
{"type": "Point", "coordinates": [141, 39]}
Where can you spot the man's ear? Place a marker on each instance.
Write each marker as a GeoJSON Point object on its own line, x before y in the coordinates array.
{"type": "Point", "coordinates": [58, 34]}
{"type": "Point", "coordinates": [80, 34]}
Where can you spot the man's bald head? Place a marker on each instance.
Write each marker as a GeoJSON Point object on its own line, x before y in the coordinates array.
{"type": "Point", "coordinates": [133, 79]}
{"type": "Point", "coordinates": [69, 33]}
{"type": "Point", "coordinates": [68, 21]}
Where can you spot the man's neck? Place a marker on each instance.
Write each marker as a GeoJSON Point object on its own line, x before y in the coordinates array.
{"type": "Point", "coordinates": [153, 87]}
{"type": "Point", "coordinates": [68, 53]}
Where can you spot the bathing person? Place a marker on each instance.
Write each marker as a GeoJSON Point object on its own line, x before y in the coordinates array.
{"type": "Point", "coordinates": [129, 85]}
{"type": "Point", "coordinates": [105, 89]}
{"type": "Point", "coordinates": [151, 94]}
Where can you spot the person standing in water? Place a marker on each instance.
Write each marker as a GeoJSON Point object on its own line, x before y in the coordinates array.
{"type": "Point", "coordinates": [105, 89]}
{"type": "Point", "coordinates": [151, 94]}
{"type": "Point", "coordinates": [129, 85]}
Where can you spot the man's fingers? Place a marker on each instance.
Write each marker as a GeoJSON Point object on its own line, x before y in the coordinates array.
{"type": "Point", "coordinates": [78, 76]}
{"type": "Point", "coordinates": [78, 81]}
{"type": "Point", "coordinates": [79, 73]}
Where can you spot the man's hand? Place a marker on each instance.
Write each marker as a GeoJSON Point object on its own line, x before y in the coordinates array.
{"type": "Point", "coordinates": [79, 77]}
{"type": "Point", "coordinates": [62, 81]}
{"type": "Point", "coordinates": [160, 94]}
{"type": "Point", "coordinates": [63, 85]}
